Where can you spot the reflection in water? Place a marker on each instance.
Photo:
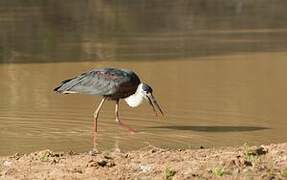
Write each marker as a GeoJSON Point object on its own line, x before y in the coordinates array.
{"type": "Point", "coordinates": [93, 30]}
{"type": "Point", "coordinates": [212, 101]}
{"type": "Point", "coordinates": [218, 68]}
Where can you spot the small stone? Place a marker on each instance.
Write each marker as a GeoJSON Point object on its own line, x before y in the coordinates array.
{"type": "Point", "coordinates": [102, 163]}
{"type": "Point", "coordinates": [145, 167]}
{"type": "Point", "coordinates": [195, 175]}
{"type": "Point", "coordinates": [76, 170]}
{"type": "Point", "coordinates": [92, 164]}
{"type": "Point", "coordinates": [153, 151]}
{"type": "Point", "coordinates": [60, 154]}
{"type": "Point", "coordinates": [94, 152]}
{"type": "Point", "coordinates": [55, 161]}
{"type": "Point", "coordinates": [71, 153]}
{"type": "Point", "coordinates": [17, 156]}
{"type": "Point", "coordinates": [247, 163]}
{"type": "Point", "coordinates": [107, 157]}
{"type": "Point", "coordinates": [111, 164]}
{"type": "Point", "coordinates": [261, 151]}
{"type": "Point", "coordinates": [7, 163]}
{"type": "Point", "coordinates": [209, 171]}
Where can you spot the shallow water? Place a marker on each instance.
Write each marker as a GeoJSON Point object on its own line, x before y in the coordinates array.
{"type": "Point", "coordinates": [215, 101]}
{"type": "Point", "coordinates": [219, 72]}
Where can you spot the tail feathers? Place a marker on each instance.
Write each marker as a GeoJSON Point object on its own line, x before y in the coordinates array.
{"type": "Point", "coordinates": [57, 89]}
{"type": "Point", "coordinates": [62, 89]}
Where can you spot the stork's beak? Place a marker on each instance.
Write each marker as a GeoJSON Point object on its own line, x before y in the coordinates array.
{"type": "Point", "coordinates": [152, 101]}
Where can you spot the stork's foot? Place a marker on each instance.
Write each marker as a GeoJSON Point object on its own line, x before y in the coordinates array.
{"type": "Point", "coordinates": [131, 130]}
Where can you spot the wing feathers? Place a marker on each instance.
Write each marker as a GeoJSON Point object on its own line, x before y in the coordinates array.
{"type": "Point", "coordinates": [115, 83]}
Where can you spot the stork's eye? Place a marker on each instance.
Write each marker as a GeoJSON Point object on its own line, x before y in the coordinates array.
{"type": "Point", "coordinates": [147, 88]}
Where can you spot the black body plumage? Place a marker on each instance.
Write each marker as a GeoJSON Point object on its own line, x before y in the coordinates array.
{"type": "Point", "coordinates": [108, 82]}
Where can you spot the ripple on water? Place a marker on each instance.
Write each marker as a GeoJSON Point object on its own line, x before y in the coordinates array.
{"type": "Point", "coordinates": [201, 108]}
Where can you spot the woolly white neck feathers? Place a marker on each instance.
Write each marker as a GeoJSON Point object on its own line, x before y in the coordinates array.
{"type": "Point", "coordinates": [137, 98]}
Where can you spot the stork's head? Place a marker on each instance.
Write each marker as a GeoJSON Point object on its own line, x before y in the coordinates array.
{"type": "Point", "coordinates": [144, 91]}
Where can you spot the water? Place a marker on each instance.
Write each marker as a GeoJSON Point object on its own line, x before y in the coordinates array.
{"type": "Point", "coordinates": [218, 72]}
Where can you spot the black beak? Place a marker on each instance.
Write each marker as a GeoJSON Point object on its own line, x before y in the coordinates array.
{"type": "Point", "coordinates": [153, 103]}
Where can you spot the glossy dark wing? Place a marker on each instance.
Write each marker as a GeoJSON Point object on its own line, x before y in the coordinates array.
{"type": "Point", "coordinates": [115, 83]}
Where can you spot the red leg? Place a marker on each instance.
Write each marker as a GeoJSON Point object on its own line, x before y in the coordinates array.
{"type": "Point", "coordinates": [96, 115]}
{"type": "Point", "coordinates": [131, 130]}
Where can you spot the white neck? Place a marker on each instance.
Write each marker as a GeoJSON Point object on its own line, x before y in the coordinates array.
{"type": "Point", "coordinates": [136, 99]}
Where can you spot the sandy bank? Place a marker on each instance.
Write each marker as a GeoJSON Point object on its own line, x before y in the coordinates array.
{"type": "Point", "coordinates": [262, 162]}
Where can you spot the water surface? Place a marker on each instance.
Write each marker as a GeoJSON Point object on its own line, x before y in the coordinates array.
{"type": "Point", "coordinates": [218, 70]}
{"type": "Point", "coordinates": [215, 101]}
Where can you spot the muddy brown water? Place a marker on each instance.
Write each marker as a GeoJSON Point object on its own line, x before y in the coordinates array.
{"type": "Point", "coordinates": [209, 102]}
{"type": "Point", "coordinates": [219, 73]}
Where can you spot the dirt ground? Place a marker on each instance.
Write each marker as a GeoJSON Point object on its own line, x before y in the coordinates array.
{"type": "Point", "coordinates": [245, 162]}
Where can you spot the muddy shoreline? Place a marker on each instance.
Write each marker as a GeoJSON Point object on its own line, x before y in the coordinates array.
{"type": "Point", "coordinates": [253, 162]}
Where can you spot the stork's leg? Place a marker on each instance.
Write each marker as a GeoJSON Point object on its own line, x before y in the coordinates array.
{"type": "Point", "coordinates": [96, 114]}
{"type": "Point", "coordinates": [95, 129]}
{"type": "Point", "coordinates": [118, 119]}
